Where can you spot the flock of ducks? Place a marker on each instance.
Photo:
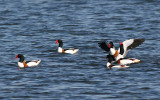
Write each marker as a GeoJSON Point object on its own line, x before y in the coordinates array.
{"type": "Point", "coordinates": [116, 58]}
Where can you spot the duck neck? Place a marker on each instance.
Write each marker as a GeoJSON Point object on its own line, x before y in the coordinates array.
{"type": "Point", "coordinates": [21, 59]}
{"type": "Point", "coordinates": [61, 44]}
{"type": "Point", "coordinates": [121, 49]}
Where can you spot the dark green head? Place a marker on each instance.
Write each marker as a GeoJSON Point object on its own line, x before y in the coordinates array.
{"type": "Point", "coordinates": [21, 57]}
{"type": "Point", "coordinates": [60, 42]}
{"type": "Point", "coordinates": [111, 45]}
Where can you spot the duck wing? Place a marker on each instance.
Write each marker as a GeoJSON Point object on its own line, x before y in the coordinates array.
{"type": "Point", "coordinates": [104, 46]}
{"type": "Point", "coordinates": [130, 44]}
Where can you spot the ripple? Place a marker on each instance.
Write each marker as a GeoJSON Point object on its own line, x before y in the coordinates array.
{"type": "Point", "coordinates": [33, 28]}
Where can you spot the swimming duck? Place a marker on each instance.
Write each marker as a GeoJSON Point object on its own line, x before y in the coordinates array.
{"type": "Point", "coordinates": [22, 63]}
{"type": "Point", "coordinates": [111, 65]}
{"type": "Point", "coordinates": [61, 50]}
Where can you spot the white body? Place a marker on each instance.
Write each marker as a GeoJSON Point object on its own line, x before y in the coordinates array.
{"type": "Point", "coordinates": [129, 61]}
{"type": "Point", "coordinates": [116, 66]}
{"type": "Point", "coordinates": [20, 64]}
{"type": "Point", "coordinates": [112, 51]}
{"type": "Point", "coordinates": [60, 49]}
{"type": "Point", "coordinates": [126, 61]}
{"type": "Point", "coordinates": [30, 64]}
{"type": "Point", "coordinates": [70, 51]}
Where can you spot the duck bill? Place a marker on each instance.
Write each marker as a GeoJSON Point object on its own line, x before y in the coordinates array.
{"type": "Point", "coordinates": [56, 41]}
{"type": "Point", "coordinates": [109, 45]}
{"type": "Point", "coordinates": [16, 57]}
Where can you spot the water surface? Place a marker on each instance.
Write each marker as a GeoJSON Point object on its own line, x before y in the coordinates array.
{"type": "Point", "coordinates": [31, 27]}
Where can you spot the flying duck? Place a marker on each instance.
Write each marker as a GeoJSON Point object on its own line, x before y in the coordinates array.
{"type": "Point", "coordinates": [127, 45]}
{"type": "Point", "coordinates": [121, 60]}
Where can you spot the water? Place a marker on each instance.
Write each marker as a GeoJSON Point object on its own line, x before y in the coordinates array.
{"type": "Point", "coordinates": [31, 27]}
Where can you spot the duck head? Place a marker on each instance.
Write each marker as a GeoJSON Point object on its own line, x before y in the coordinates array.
{"type": "Point", "coordinates": [21, 57]}
{"type": "Point", "coordinates": [60, 42]}
{"type": "Point", "coordinates": [111, 45]}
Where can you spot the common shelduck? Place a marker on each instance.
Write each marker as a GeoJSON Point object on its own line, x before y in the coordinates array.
{"type": "Point", "coordinates": [121, 60]}
{"type": "Point", "coordinates": [61, 50]}
{"type": "Point", "coordinates": [127, 45]}
{"type": "Point", "coordinates": [111, 65]}
{"type": "Point", "coordinates": [109, 47]}
{"type": "Point", "coordinates": [130, 44]}
{"type": "Point", "coordinates": [22, 63]}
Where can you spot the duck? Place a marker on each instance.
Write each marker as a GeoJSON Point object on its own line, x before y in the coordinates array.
{"type": "Point", "coordinates": [127, 45]}
{"type": "Point", "coordinates": [130, 44]}
{"type": "Point", "coordinates": [61, 50]}
{"type": "Point", "coordinates": [124, 61]}
{"type": "Point", "coordinates": [22, 63]}
{"type": "Point", "coordinates": [111, 65]}
{"type": "Point", "coordinates": [113, 51]}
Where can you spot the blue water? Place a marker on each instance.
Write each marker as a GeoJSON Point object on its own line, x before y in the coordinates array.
{"type": "Point", "coordinates": [31, 27]}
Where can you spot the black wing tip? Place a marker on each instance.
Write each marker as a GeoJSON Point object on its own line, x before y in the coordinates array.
{"type": "Point", "coordinates": [136, 43]}
{"type": "Point", "coordinates": [143, 40]}
{"type": "Point", "coordinates": [100, 43]}
{"type": "Point", "coordinates": [103, 46]}
{"type": "Point", "coordinates": [140, 39]}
